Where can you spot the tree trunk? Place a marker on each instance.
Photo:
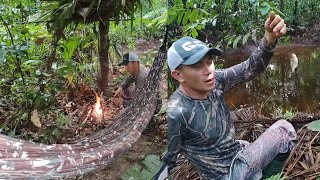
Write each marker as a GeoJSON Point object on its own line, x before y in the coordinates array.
{"type": "Point", "coordinates": [103, 54]}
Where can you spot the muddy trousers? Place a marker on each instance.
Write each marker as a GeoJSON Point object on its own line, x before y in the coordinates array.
{"type": "Point", "coordinates": [249, 162]}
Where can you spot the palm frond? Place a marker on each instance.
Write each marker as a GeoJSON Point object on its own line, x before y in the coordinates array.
{"type": "Point", "coordinates": [87, 11]}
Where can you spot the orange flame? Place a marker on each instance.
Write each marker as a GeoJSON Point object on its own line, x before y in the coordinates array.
{"type": "Point", "coordinates": [97, 113]}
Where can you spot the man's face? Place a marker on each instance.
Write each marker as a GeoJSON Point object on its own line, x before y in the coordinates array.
{"type": "Point", "coordinates": [198, 78]}
{"type": "Point", "coordinates": [132, 67]}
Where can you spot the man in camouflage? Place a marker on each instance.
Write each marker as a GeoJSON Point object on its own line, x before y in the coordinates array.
{"type": "Point", "coordinates": [199, 124]}
{"type": "Point", "coordinates": [138, 75]}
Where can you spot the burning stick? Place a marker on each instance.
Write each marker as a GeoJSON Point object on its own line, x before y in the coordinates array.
{"type": "Point", "coordinates": [97, 110]}
{"type": "Point", "coordinates": [94, 112]}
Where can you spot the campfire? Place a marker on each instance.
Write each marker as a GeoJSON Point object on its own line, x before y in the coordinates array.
{"type": "Point", "coordinates": [95, 112]}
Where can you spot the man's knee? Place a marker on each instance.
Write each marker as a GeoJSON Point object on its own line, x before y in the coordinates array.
{"type": "Point", "coordinates": [289, 134]}
{"type": "Point", "coordinates": [285, 124]}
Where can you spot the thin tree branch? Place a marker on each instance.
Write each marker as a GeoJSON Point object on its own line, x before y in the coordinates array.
{"type": "Point", "coordinates": [18, 62]}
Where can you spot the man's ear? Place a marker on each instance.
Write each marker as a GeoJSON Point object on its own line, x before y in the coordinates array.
{"type": "Point", "coordinates": [177, 75]}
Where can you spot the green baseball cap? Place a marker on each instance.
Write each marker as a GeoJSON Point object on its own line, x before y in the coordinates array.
{"type": "Point", "coordinates": [188, 51]}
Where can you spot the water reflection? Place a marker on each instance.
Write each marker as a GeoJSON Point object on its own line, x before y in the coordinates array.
{"type": "Point", "coordinates": [279, 89]}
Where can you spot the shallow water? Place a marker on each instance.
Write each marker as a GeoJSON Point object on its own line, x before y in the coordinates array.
{"type": "Point", "coordinates": [279, 89]}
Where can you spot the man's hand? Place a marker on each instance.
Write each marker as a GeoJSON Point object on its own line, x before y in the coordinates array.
{"type": "Point", "coordinates": [274, 28]}
{"type": "Point", "coordinates": [119, 92]}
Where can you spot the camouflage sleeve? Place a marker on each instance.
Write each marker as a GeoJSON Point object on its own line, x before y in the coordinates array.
{"type": "Point", "coordinates": [249, 69]}
{"type": "Point", "coordinates": [127, 82]}
{"type": "Point", "coordinates": [174, 139]}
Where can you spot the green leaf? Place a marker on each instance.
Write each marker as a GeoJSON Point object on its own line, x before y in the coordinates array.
{"type": "Point", "coordinates": [186, 17]}
{"type": "Point", "coordinates": [180, 16]}
{"type": "Point", "coordinates": [289, 114]}
{"type": "Point", "coordinates": [245, 38]}
{"type": "Point", "coordinates": [194, 15]}
{"type": "Point", "coordinates": [277, 177]}
{"type": "Point", "coordinates": [177, 2]}
{"type": "Point", "coordinates": [2, 56]}
{"type": "Point", "coordinates": [171, 18]}
{"type": "Point", "coordinates": [198, 27]}
{"type": "Point", "coordinates": [146, 170]}
{"type": "Point", "coordinates": [264, 9]}
{"type": "Point", "coordinates": [277, 11]}
{"type": "Point", "coordinates": [201, 16]}
{"type": "Point", "coordinates": [86, 41]}
{"type": "Point", "coordinates": [70, 46]}
{"type": "Point", "coordinates": [188, 4]}
{"type": "Point", "coordinates": [194, 33]}
{"type": "Point", "coordinates": [235, 42]}
{"type": "Point", "coordinates": [314, 125]}
{"type": "Point", "coordinates": [31, 62]}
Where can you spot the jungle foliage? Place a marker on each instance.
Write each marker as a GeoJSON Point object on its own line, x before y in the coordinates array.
{"type": "Point", "coordinates": [231, 23]}
{"type": "Point", "coordinates": [234, 23]}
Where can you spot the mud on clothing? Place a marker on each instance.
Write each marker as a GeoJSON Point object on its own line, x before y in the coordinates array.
{"type": "Point", "coordinates": [202, 129]}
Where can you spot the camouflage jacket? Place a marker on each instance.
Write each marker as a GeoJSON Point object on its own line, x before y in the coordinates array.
{"type": "Point", "coordinates": [202, 129]}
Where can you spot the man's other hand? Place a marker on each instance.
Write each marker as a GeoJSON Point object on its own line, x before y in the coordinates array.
{"type": "Point", "coordinates": [274, 27]}
{"type": "Point", "coordinates": [119, 92]}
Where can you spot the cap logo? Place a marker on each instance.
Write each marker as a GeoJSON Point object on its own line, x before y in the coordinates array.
{"type": "Point", "coordinates": [189, 46]}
